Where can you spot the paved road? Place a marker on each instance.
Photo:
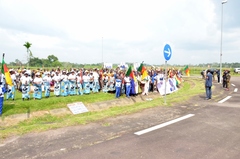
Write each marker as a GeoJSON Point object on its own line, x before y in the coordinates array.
{"type": "Point", "coordinates": [213, 132]}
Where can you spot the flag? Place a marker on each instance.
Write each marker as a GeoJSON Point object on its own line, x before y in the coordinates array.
{"type": "Point", "coordinates": [187, 70]}
{"type": "Point", "coordinates": [178, 80]}
{"type": "Point", "coordinates": [143, 71]}
{"type": "Point", "coordinates": [130, 73]}
{"type": "Point", "coordinates": [6, 72]}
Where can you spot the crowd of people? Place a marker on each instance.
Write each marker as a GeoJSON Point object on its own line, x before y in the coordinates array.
{"type": "Point", "coordinates": [226, 79]}
{"type": "Point", "coordinates": [226, 76]}
{"type": "Point", "coordinates": [68, 82]}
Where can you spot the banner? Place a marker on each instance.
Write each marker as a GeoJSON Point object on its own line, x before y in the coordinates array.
{"type": "Point", "coordinates": [170, 86]}
{"type": "Point", "coordinates": [123, 66]}
{"type": "Point", "coordinates": [108, 65]}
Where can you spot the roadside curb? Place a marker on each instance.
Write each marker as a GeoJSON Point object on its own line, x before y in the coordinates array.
{"type": "Point", "coordinates": [98, 106]}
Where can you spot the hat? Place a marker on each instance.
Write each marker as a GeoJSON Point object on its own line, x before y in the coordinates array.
{"type": "Point", "coordinates": [26, 73]}
{"type": "Point", "coordinates": [87, 71]}
{"type": "Point", "coordinates": [37, 74]}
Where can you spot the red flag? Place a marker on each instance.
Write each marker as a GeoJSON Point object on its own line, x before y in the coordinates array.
{"type": "Point", "coordinates": [143, 71]}
{"type": "Point", "coordinates": [6, 72]}
{"type": "Point", "coordinates": [130, 73]}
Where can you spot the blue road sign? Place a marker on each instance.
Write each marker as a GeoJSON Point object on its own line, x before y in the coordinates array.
{"type": "Point", "coordinates": [167, 52]}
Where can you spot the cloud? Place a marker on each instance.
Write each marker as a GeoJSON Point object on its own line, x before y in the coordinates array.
{"type": "Point", "coordinates": [119, 31]}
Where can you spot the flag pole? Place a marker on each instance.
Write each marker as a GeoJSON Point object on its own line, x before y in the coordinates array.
{"type": "Point", "coordinates": [2, 61]}
{"type": "Point", "coordinates": [165, 90]}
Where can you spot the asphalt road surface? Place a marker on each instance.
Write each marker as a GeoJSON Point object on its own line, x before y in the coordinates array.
{"type": "Point", "coordinates": [199, 129]}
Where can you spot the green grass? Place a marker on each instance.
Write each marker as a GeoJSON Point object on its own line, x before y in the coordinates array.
{"type": "Point", "coordinates": [191, 87]}
{"type": "Point", "coordinates": [18, 106]}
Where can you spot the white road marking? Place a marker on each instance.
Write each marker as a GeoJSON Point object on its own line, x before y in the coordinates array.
{"type": "Point", "coordinates": [225, 99]}
{"type": "Point", "coordinates": [235, 90]}
{"type": "Point", "coordinates": [163, 125]}
{"type": "Point", "coordinates": [233, 85]}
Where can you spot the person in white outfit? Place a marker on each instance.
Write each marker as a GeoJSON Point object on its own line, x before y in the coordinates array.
{"type": "Point", "coordinates": [146, 81]}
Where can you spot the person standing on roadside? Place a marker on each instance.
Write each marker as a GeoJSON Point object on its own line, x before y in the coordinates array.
{"type": "Point", "coordinates": [218, 75]}
{"type": "Point", "coordinates": [228, 77]}
{"type": "Point", "coordinates": [26, 80]}
{"type": "Point", "coordinates": [224, 77]}
{"type": "Point", "coordinates": [72, 82]}
{"type": "Point", "coordinates": [86, 82]}
{"type": "Point", "coordinates": [64, 83]}
{"type": "Point", "coordinates": [118, 85]}
{"type": "Point", "coordinates": [208, 85]}
{"type": "Point", "coordinates": [37, 83]}
{"type": "Point", "coordinates": [146, 81]}
{"type": "Point", "coordinates": [127, 80]}
{"type": "Point", "coordinates": [11, 89]}
{"type": "Point", "coordinates": [2, 91]}
{"type": "Point", "coordinates": [96, 85]}
{"type": "Point", "coordinates": [79, 83]}
{"type": "Point", "coordinates": [46, 81]}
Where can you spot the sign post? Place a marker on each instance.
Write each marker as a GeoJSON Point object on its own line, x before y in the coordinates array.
{"type": "Point", "coordinates": [77, 108]}
{"type": "Point", "coordinates": [167, 52]}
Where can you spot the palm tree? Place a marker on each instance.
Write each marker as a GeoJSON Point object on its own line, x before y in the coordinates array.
{"type": "Point", "coordinates": [28, 45]}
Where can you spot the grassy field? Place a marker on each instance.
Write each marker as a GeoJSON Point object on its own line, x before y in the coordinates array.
{"type": "Point", "coordinates": [190, 87]}
{"type": "Point", "coordinates": [18, 106]}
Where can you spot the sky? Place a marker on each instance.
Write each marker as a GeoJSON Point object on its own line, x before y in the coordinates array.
{"type": "Point", "coordinates": [117, 31]}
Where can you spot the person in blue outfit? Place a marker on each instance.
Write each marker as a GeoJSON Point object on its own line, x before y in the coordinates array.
{"type": "Point", "coordinates": [72, 82]}
{"type": "Point", "coordinates": [105, 82]}
{"type": "Point", "coordinates": [57, 84]}
{"type": "Point", "coordinates": [96, 85]}
{"type": "Point", "coordinates": [79, 83]}
{"type": "Point", "coordinates": [26, 80]}
{"type": "Point", "coordinates": [127, 81]}
{"type": "Point", "coordinates": [152, 83]}
{"type": "Point", "coordinates": [64, 84]}
{"type": "Point", "coordinates": [46, 81]}
{"type": "Point", "coordinates": [86, 82]}
{"type": "Point", "coordinates": [208, 85]}
{"type": "Point", "coordinates": [132, 88]}
{"type": "Point", "coordinates": [37, 83]}
{"type": "Point", "coordinates": [111, 83]}
{"type": "Point", "coordinates": [118, 86]}
{"type": "Point", "coordinates": [2, 91]}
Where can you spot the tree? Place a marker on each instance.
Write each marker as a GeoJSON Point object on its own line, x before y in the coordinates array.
{"type": "Point", "coordinates": [52, 58]}
{"type": "Point", "coordinates": [18, 62]}
{"type": "Point", "coordinates": [46, 63]}
{"type": "Point", "coordinates": [29, 53]}
{"type": "Point", "coordinates": [36, 62]}
{"type": "Point", "coordinates": [12, 64]}
{"type": "Point", "coordinates": [56, 63]}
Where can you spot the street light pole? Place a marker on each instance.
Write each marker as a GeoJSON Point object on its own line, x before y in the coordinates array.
{"type": "Point", "coordinates": [223, 2]}
{"type": "Point", "coordinates": [102, 50]}
{"type": "Point", "coordinates": [28, 59]}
